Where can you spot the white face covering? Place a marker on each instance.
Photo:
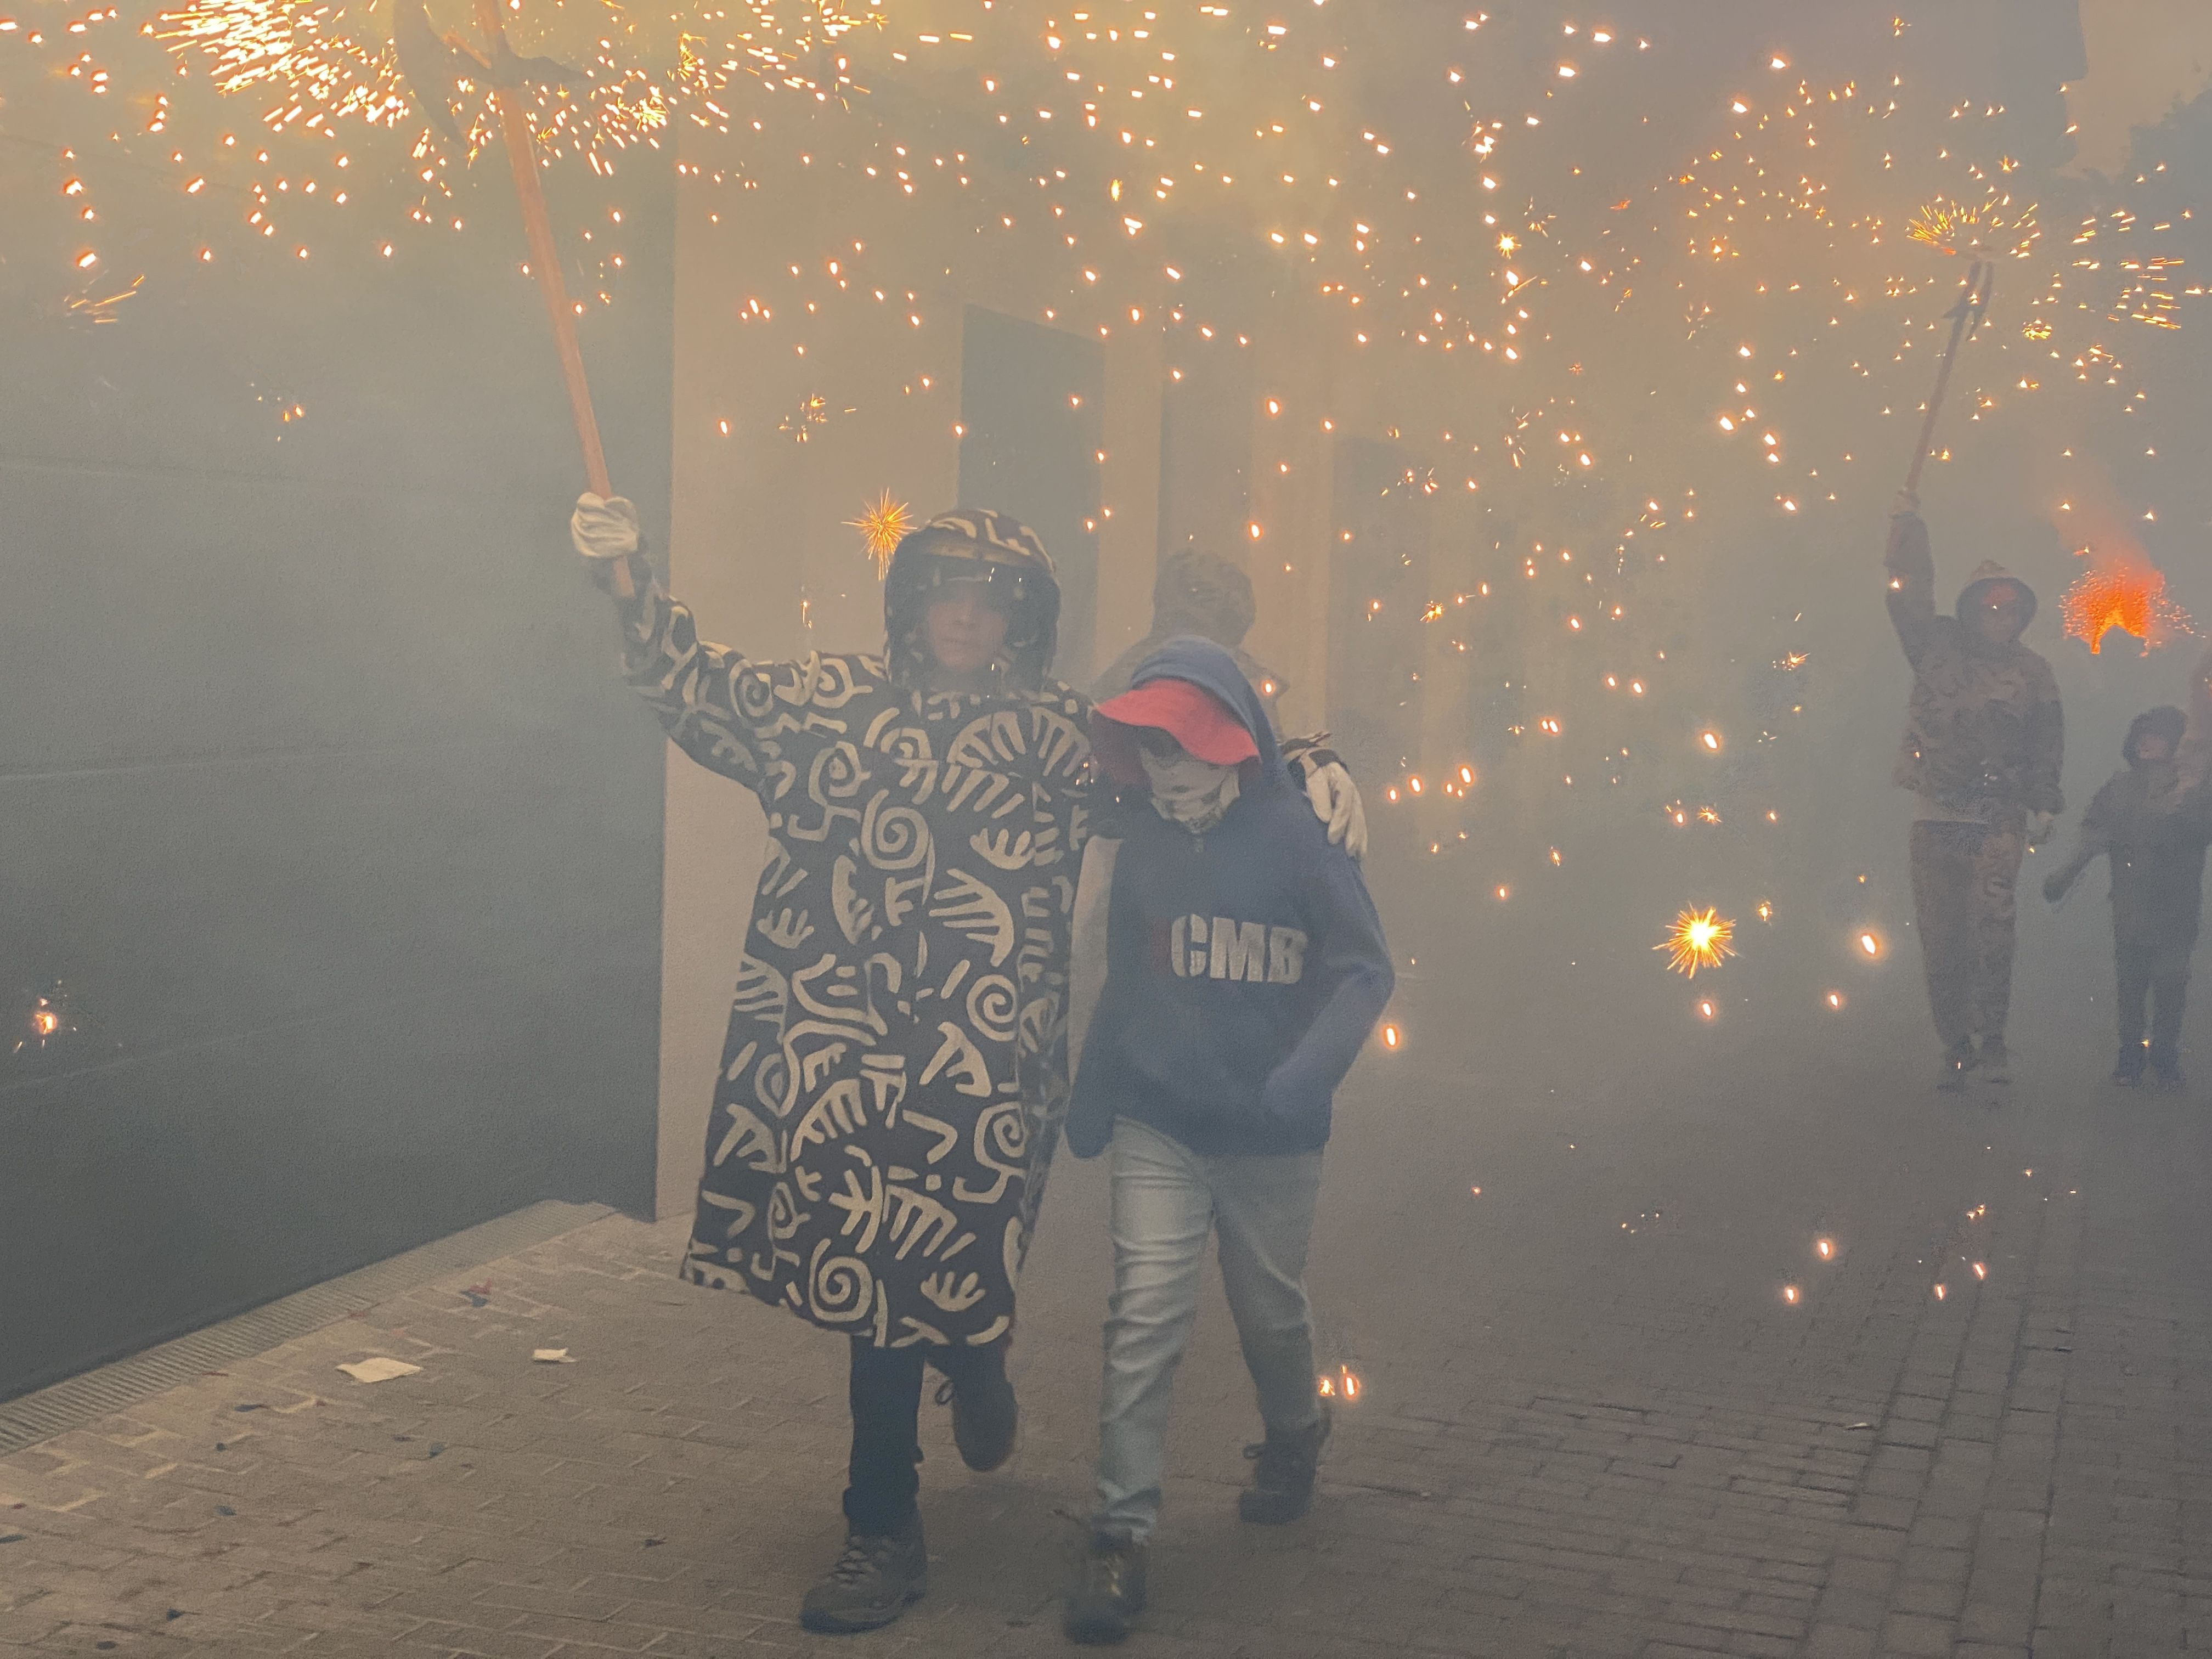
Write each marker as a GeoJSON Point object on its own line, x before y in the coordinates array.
{"type": "Point", "coordinates": [1188, 791]}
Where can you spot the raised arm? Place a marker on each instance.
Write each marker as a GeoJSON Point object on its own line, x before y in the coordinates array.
{"type": "Point", "coordinates": [1352, 960]}
{"type": "Point", "coordinates": [720, 708]}
{"type": "Point", "coordinates": [1911, 567]}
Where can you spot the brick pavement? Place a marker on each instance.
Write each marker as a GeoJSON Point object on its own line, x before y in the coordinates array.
{"type": "Point", "coordinates": [1590, 1422]}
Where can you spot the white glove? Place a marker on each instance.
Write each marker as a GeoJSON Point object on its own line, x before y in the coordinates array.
{"type": "Point", "coordinates": [604, 529]}
{"type": "Point", "coordinates": [1336, 803]}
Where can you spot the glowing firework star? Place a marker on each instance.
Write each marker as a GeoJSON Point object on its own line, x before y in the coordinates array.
{"type": "Point", "coordinates": [881, 522]}
{"type": "Point", "coordinates": [1700, 939]}
{"type": "Point", "coordinates": [2124, 590]}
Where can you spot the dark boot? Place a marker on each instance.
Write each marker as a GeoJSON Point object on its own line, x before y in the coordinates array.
{"type": "Point", "coordinates": [1958, 1060]}
{"type": "Point", "coordinates": [875, 1579]}
{"type": "Point", "coordinates": [1109, 1593]}
{"type": "Point", "coordinates": [2128, 1070]}
{"type": "Point", "coordinates": [1993, 1062]}
{"type": "Point", "coordinates": [1283, 1468]}
{"type": "Point", "coordinates": [985, 1414]}
{"type": "Point", "coordinates": [2166, 1065]}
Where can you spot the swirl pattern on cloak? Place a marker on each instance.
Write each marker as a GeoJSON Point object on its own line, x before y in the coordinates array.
{"type": "Point", "coordinates": [895, 1066]}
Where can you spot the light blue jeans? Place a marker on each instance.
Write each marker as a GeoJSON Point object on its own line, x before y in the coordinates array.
{"type": "Point", "coordinates": [1166, 1199]}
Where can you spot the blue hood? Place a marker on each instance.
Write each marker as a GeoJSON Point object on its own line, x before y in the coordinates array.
{"type": "Point", "coordinates": [1211, 668]}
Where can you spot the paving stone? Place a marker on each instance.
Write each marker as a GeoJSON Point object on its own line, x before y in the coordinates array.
{"type": "Point", "coordinates": [1569, 1441]}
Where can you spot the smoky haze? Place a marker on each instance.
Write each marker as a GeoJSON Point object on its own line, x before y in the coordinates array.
{"type": "Point", "coordinates": [1549, 379]}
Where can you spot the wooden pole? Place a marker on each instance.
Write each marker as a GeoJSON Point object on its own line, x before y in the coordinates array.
{"type": "Point", "coordinates": [545, 265]}
{"type": "Point", "coordinates": [1973, 300]}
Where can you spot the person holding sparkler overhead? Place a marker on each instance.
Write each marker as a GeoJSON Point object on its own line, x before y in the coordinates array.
{"type": "Point", "coordinates": [894, 1072]}
{"type": "Point", "coordinates": [1984, 738]}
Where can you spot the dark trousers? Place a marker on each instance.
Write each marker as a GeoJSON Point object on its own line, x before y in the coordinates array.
{"type": "Point", "coordinates": [885, 1392]}
{"type": "Point", "coordinates": [2152, 976]}
{"type": "Point", "coordinates": [1963, 876]}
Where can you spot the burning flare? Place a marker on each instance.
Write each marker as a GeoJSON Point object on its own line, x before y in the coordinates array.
{"type": "Point", "coordinates": [2124, 591]}
{"type": "Point", "coordinates": [1700, 939]}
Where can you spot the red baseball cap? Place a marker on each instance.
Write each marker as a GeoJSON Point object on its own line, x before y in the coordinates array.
{"type": "Point", "coordinates": [1189, 714]}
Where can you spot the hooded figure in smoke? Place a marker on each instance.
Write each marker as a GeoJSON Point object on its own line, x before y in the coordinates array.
{"type": "Point", "coordinates": [1983, 742]}
{"type": "Point", "coordinates": [2154, 828]}
{"type": "Point", "coordinates": [1202, 595]}
{"type": "Point", "coordinates": [896, 1067]}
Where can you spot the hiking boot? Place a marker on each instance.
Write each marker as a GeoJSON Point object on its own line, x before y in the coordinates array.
{"type": "Point", "coordinates": [1993, 1063]}
{"type": "Point", "coordinates": [2128, 1070]}
{"type": "Point", "coordinates": [1282, 1467]}
{"type": "Point", "coordinates": [2166, 1067]}
{"type": "Point", "coordinates": [876, 1578]}
{"type": "Point", "coordinates": [985, 1416]}
{"type": "Point", "coordinates": [1109, 1592]}
{"type": "Point", "coordinates": [1951, 1077]}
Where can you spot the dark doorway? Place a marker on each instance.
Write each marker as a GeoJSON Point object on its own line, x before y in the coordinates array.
{"type": "Point", "coordinates": [1030, 434]}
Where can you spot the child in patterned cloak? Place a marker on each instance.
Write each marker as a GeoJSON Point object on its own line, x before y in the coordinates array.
{"type": "Point", "coordinates": [1245, 968]}
{"type": "Point", "coordinates": [895, 1066]}
{"type": "Point", "coordinates": [2155, 829]}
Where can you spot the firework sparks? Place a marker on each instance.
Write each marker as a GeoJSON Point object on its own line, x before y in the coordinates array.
{"type": "Point", "coordinates": [881, 524]}
{"type": "Point", "coordinates": [813, 411]}
{"type": "Point", "coordinates": [1699, 939]}
{"type": "Point", "coordinates": [595, 78]}
{"type": "Point", "coordinates": [2124, 591]}
{"type": "Point", "coordinates": [1980, 229]}
{"type": "Point", "coordinates": [93, 309]}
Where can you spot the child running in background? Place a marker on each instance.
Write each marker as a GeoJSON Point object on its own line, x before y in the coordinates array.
{"type": "Point", "coordinates": [2153, 825]}
{"type": "Point", "coordinates": [1245, 968]}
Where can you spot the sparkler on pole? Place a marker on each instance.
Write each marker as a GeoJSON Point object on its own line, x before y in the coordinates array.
{"type": "Point", "coordinates": [546, 265]}
{"type": "Point", "coordinates": [1965, 317]}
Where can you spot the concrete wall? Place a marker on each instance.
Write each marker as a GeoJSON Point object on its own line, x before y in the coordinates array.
{"type": "Point", "coordinates": [331, 843]}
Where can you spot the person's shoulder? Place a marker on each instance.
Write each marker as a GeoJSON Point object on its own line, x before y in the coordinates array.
{"type": "Point", "coordinates": [827, 677]}
{"type": "Point", "coordinates": [1287, 819]}
{"type": "Point", "coordinates": [1064, 699]}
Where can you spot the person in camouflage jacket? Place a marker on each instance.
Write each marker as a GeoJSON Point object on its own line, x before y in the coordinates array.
{"type": "Point", "coordinates": [1983, 739]}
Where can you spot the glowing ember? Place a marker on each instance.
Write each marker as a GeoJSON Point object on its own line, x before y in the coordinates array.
{"type": "Point", "coordinates": [1389, 1037]}
{"type": "Point", "coordinates": [1700, 939]}
{"type": "Point", "coordinates": [2124, 591]}
{"type": "Point", "coordinates": [881, 524]}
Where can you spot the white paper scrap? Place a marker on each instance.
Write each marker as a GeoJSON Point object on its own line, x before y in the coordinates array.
{"type": "Point", "coordinates": [551, 1356]}
{"type": "Point", "coordinates": [379, 1369]}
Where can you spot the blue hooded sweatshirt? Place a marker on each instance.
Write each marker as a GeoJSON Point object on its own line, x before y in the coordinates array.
{"type": "Point", "coordinates": [1245, 966]}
